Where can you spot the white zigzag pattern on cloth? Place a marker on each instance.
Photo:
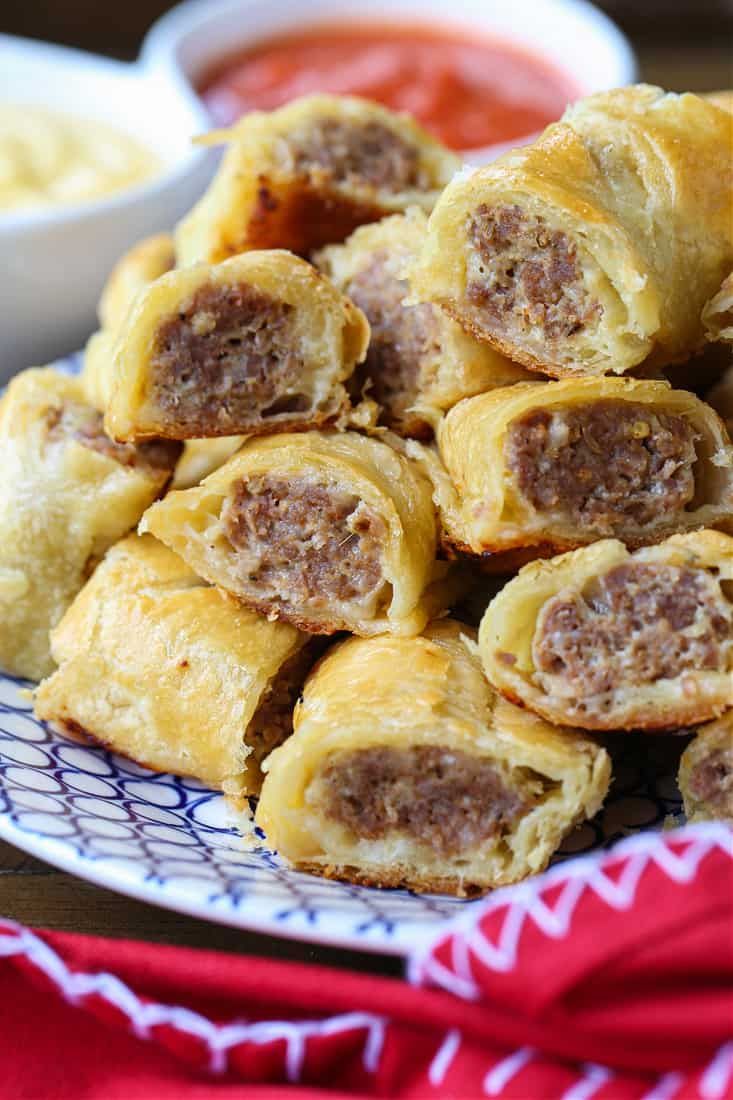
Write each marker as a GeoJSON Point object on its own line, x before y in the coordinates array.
{"type": "Point", "coordinates": [525, 902]}
{"type": "Point", "coordinates": [219, 1038]}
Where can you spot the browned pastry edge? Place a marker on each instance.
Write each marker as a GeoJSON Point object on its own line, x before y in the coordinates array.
{"type": "Point", "coordinates": [498, 562]}
{"type": "Point", "coordinates": [316, 422]}
{"type": "Point", "coordinates": [510, 351]}
{"type": "Point", "coordinates": [646, 721]}
{"type": "Point", "coordinates": [397, 878]}
{"type": "Point", "coordinates": [515, 553]}
{"type": "Point", "coordinates": [266, 609]}
{"type": "Point", "coordinates": [292, 216]}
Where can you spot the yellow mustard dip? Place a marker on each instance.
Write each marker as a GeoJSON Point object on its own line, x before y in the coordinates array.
{"type": "Point", "coordinates": [52, 159]}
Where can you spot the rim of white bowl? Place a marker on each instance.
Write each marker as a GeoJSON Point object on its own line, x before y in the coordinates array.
{"type": "Point", "coordinates": [161, 44]}
{"type": "Point", "coordinates": [171, 175]}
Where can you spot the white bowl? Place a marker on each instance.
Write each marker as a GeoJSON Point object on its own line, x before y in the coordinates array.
{"type": "Point", "coordinates": [55, 261]}
{"type": "Point", "coordinates": [574, 36]}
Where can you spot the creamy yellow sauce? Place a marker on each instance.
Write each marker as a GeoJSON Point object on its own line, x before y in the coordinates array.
{"type": "Point", "coordinates": [52, 159]}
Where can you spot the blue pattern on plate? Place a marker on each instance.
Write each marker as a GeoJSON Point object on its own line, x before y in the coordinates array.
{"type": "Point", "coordinates": [169, 841]}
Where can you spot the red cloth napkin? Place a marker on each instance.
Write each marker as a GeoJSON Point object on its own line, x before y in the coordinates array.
{"type": "Point", "coordinates": [608, 978]}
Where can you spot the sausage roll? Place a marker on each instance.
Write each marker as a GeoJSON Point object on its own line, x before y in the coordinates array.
{"type": "Point", "coordinates": [309, 173]}
{"type": "Point", "coordinates": [717, 316]}
{"type": "Point", "coordinates": [605, 639]}
{"type": "Point", "coordinates": [67, 492]}
{"type": "Point", "coordinates": [564, 463]}
{"type": "Point", "coordinates": [706, 772]}
{"type": "Point", "coordinates": [419, 362]}
{"type": "Point", "coordinates": [405, 769]}
{"type": "Point", "coordinates": [259, 343]}
{"type": "Point", "coordinates": [163, 668]}
{"type": "Point", "coordinates": [145, 262]}
{"type": "Point", "coordinates": [327, 531]}
{"type": "Point", "coordinates": [596, 247]}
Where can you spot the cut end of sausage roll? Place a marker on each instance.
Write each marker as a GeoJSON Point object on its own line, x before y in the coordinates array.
{"type": "Point", "coordinates": [525, 281]}
{"type": "Point", "coordinates": [164, 669]}
{"type": "Point", "coordinates": [605, 639]}
{"type": "Point", "coordinates": [562, 465]}
{"type": "Point", "coordinates": [589, 251]}
{"type": "Point", "coordinates": [706, 772]}
{"type": "Point", "coordinates": [309, 173]}
{"type": "Point", "coordinates": [419, 362]}
{"type": "Point", "coordinates": [404, 769]}
{"type": "Point", "coordinates": [258, 344]}
{"type": "Point", "coordinates": [327, 531]}
{"type": "Point", "coordinates": [67, 492]}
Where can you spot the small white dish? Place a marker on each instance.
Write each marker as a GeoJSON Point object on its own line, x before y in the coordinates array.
{"type": "Point", "coordinates": [572, 35]}
{"type": "Point", "coordinates": [55, 261]}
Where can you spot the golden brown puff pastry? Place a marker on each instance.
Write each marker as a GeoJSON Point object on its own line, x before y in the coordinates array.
{"type": "Point", "coordinates": [309, 173]}
{"type": "Point", "coordinates": [605, 639]}
{"type": "Point", "coordinates": [405, 769]}
{"type": "Point", "coordinates": [201, 457]}
{"type": "Point", "coordinates": [67, 492]}
{"type": "Point", "coordinates": [98, 368]}
{"type": "Point", "coordinates": [706, 772]}
{"type": "Point", "coordinates": [596, 247]}
{"type": "Point", "coordinates": [163, 668]}
{"type": "Point", "coordinates": [563, 463]}
{"type": "Point", "coordinates": [717, 316]}
{"type": "Point", "coordinates": [145, 262]}
{"type": "Point", "coordinates": [419, 362]}
{"type": "Point", "coordinates": [259, 343]}
{"type": "Point", "coordinates": [329, 531]}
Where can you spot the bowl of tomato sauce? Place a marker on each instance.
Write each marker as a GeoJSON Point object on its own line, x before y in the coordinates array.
{"type": "Point", "coordinates": [482, 75]}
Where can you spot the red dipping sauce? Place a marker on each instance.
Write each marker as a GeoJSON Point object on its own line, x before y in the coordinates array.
{"type": "Point", "coordinates": [468, 91]}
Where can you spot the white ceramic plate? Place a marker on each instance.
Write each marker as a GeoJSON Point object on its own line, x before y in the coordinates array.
{"type": "Point", "coordinates": [169, 841]}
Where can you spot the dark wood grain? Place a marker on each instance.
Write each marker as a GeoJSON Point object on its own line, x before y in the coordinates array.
{"type": "Point", "coordinates": [39, 895]}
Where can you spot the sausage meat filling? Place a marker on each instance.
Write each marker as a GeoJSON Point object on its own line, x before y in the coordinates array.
{"type": "Point", "coordinates": [404, 339]}
{"type": "Point", "coordinates": [524, 279]}
{"type": "Point", "coordinates": [605, 465]}
{"type": "Point", "coordinates": [357, 153]}
{"type": "Point", "coordinates": [85, 425]}
{"type": "Point", "coordinates": [711, 782]}
{"type": "Point", "coordinates": [226, 362]}
{"type": "Point", "coordinates": [442, 798]}
{"type": "Point", "coordinates": [303, 546]}
{"type": "Point", "coordinates": [272, 722]}
{"type": "Point", "coordinates": [636, 625]}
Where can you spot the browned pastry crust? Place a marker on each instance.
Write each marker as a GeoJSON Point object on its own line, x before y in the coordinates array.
{"type": "Point", "coordinates": [309, 173]}
{"type": "Point", "coordinates": [607, 640]}
{"type": "Point", "coordinates": [405, 770]}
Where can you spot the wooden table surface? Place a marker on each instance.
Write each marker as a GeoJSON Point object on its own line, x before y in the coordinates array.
{"type": "Point", "coordinates": [42, 896]}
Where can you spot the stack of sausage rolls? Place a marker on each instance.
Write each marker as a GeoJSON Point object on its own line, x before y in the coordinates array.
{"type": "Point", "coordinates": [354, 382]}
